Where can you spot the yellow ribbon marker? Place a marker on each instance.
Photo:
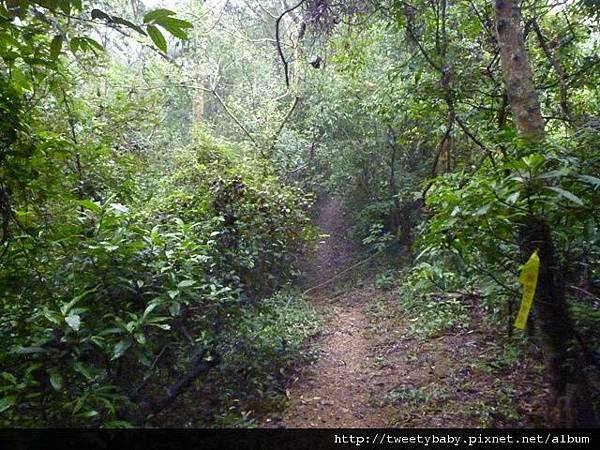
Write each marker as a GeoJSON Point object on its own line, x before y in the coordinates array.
{"type": "Point", "coordinates": [528, 278]}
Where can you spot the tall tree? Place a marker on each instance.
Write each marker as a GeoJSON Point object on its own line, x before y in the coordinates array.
{"type": "Point", "coordinates": [569, 402]}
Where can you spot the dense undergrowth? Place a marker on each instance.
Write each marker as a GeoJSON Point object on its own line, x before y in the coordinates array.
{"type": "Point", "coordinates": [134, 277]}
{"type": "Point", "coordinates": [115, 301]}
{"type": "Point", "coordinates": [156, 177]}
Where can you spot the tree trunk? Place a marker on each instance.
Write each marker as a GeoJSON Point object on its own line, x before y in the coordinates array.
{"type": "Point", "coordinates": [569, 403]}
{"type": "Point", "coordinates": [199, 96]}
{"type": "Point", "coordinates": [570, 398]}
{"type": "Point", "coordinates": [517, 72]}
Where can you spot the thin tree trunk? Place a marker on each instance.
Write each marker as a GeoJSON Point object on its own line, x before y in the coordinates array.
{"type": "Point", "coordinates": [199, 96]}
{"type": "Point", "coordinates": [569, 403]}
{"type": "Point", "coordinates": [560, 72]}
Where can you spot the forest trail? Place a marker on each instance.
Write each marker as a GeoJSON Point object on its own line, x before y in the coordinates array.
{"type": "Point", "coordinates": [372, 371]}
{"type": "Point", "coordinates": [334, 392]}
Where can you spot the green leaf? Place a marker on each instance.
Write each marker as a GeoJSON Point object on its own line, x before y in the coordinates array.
{"type": "Point", "coordinates": [553, 174]}
{"type": "Point", "coordinates": [55, 380]}
{"type": "Point", "coordinates": [56, 46]}
{"type": "Point", "coordinates": [512, 198]}
{"type": "Point", "coordinates": [567, 195]}
{"type": "Point", "coordinates": [48, 4]}
{"type": "Point", "coordinates": [175, 26]}
{"type": "Point", "coordinates": [93, 44]}
{"type": "Point", "coordinates": [186, 283]}
{"type": "Point", "coordinates": [65, 308]}
{"type": "Point", "coordinates": [151, 16]}
{"type": "Point", "coordinates": [74, 44]}
{"type": "Point", "coordinates": [174, 309]}
{"type": "Point", "coordinates": [148, 310]}
{"type": "Point", "coordinates": [121, 348]}
{"type": "Point", "coordinates": [140, 337]}
{"type": "Point", "coordinates": [590, 180]}
{"type": "Point", "coordinates": [83, 370]}
{"type": "Point", "coordinates": [157, 37]}
{"type": "Point", "coordinates": [128, 24]}
{"type": "Point", "coordinates": [53, 317]}
{"type": "Point", "coordinates": [65, 6]}
{"type": "Point", "coordinates": [74, 321]}
{"type": "Point", "coordinates": [92, 206]}
{"type": "Point", "coordinates": [118, 424]}
{"type": "Point", "coordinates": [97, 14]}
{"type": "Point", "coordinates": [174, 22]}
{"type": "Point", "coordinates": [21, 80]}
{"type": "Point", "coordinates": [7, 402]}
{"type": "Point", "coordinates": [484, 209]}
{"type": "Point", "coordinates": [9, 377]}
{"type": "Point", "coordinates": [29, 350]}
{"type": "Point", "coordinates": [534, 160]}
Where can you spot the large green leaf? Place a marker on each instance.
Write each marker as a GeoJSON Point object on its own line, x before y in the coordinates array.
{"type": "Point", "coordinates": [121, 348]}
{"type": "Point", "coordinates": [93, 44]}
{"type": "Point", "coordinates": [128, 24]}
{"type": "Point", "coordinates": [74, 321]}
{"type": "Point", "coordinates": [175, 26]}
{"type": "Point", "coordinates": [56, 46]}
{"type": "Point", "coordinates": [186, 283]}
{"type": "Point", "coordinates": [568, 195]}
{"type": "Point", "coordinates": [7, 402]}
{"type": "Point", "coordinates": [590, 180]}
{"type": "Point", "coordinates": [55, 380]}
{"type": "Point", "coordinates": [65, 6]}
{"type": "Point", "coordinates": [157, 37]}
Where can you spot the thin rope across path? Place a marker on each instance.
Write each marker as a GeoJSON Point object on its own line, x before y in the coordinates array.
{"type": "Point", "coordinates": [348, 269]}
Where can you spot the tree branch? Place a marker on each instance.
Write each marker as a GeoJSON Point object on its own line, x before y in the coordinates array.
{"type": "Point", "coordinates": [199, 366]}
{"type": "Point", "coordinates": [284, 121]}
{"type": "Point", "coordinates": [277, 38]}
{"type": "Point", "coordinates": [474, 139]}
{"type": "Point", "coordinates": [229, 113]}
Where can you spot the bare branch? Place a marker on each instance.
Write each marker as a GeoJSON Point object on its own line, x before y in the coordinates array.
{"type": "Point", "coordinates": [229, 113]}
{"type": "Point", "coordinates": [278, 39]}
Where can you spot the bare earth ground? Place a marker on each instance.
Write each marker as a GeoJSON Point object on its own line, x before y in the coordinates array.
{"type": "Point", "coordinates": [372, 373]}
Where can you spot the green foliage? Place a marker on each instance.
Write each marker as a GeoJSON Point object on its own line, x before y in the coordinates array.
{"type": "Point", "coordinates": [260, 352]}
{"type": "Point", "coordinates": [385, 280]}
{"type": "Point", "coordinates": [495, 202]}
{"type": "Point", "coordinates": [426, 299]}
{"type": "Point", "coordinates": [122, 262]}
{"type": "Point", "coordinates": [93, 316]}
{"type": "Point", "coordinates": [131, 246]}
{"type": "Point", "coordinates": [420, 397]}
{"type": "Point", "coordinates": [377, 238]}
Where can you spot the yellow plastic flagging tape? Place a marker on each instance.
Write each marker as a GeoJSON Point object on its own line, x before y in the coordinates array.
{"type": "Point", "coordinates": [528, 278]}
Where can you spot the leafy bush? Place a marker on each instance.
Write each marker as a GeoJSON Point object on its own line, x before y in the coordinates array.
{"type": "Point", "coordinates": [92, 303]}
{"type": "Point", "coordinates": [259, 352]}
{"type": "Point", "coordinates": [494, 204]}
{"type": "Point", "coordinates": [424, 298]}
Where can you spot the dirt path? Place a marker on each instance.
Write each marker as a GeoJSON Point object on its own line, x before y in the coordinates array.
{"type": "Point", "coordinates": [334, 392]}
{"type": "Point", "coordinates": [375, 371]}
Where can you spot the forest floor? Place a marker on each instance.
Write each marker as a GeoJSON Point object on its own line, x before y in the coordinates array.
{"type": "Point", "coordinates": [372, 372]}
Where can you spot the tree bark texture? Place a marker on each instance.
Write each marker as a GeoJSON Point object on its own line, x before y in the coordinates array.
{"type": "Point", "coordinates": [517, 72]}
